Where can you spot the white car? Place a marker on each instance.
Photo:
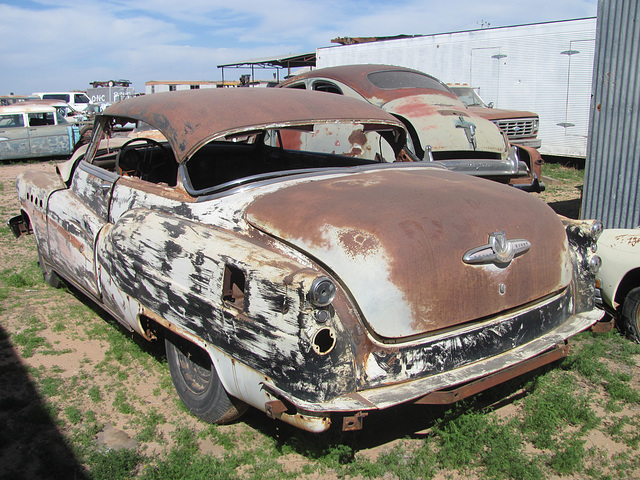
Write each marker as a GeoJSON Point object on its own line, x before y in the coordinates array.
{"type": "Point", "coordinates": [79, 101]}
{"type": "Point", "coordinates": [619, 277]}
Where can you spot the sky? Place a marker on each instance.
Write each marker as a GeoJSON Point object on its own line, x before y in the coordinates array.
{"type": "Point", "coordinates": [49, 45]}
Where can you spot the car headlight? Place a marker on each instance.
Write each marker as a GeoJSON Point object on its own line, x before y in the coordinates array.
{"type": "Point", "coordinates": [596, 230]}
{"type": "Point", "coordinates": [322, 292]}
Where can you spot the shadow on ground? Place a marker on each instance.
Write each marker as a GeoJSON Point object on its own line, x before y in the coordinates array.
{"type": "Point", "coordinates": [31, 446]}
{"type": "Point", "coordinates": [568, 208]}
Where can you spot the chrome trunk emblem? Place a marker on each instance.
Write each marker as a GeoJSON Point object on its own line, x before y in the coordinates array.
{"type": "Point", "coordinates": [499, 250]}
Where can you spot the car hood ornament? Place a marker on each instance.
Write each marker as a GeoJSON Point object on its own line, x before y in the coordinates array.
{"type": "Point", "coordinates": [469, 130]}
{"type": "Point", "coordinates": [499, 250]}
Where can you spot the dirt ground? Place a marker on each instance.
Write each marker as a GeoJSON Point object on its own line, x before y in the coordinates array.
{"type": "Point", "coordinates": [75, 352]}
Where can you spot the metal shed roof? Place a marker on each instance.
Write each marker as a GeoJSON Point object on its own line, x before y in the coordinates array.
{"type": "Point", "coordinates": [282, 61]}
{"type": "Point", "coordinates": [278, 63]}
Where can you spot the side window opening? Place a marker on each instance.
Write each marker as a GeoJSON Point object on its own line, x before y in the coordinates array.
{"type": "Point", "coordinates": [11, 121]}
{"type": "Point", "coordinates": [324, 86]}
{"type": "Point", "coordinates": [41, 119]}
{"type": "Point", "coordinates": [233, 285]}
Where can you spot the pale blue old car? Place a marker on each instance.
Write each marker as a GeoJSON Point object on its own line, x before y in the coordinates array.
{"type": "Point", "coordinates": [32, 129]}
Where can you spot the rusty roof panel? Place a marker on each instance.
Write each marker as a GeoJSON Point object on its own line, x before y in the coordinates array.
{"type": "Point", "coordinates": [356, 77]}
{"type": "Point", "coordinates": [190, 118]}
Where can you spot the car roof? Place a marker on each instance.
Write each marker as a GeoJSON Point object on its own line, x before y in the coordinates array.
{"type": "Point", "coordinates": [356, 77]}
{"type": "Point", "coordinates": [26, 107]}
{"type": "Point", "coordinates": [68, 92]}
{"type": "Point", "coordinates": [190, 118]}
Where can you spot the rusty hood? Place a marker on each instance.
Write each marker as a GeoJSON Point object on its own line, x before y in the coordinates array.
{"type": "Point", "coordinates": [501, 114]}
{"type": "Point", "coordinates": [445, 124]}
{"type": "Point", "coordinates": [395, 239]}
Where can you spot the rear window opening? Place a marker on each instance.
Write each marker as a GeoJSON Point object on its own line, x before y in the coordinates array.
{"type": "Point", "coordinates": [393, 79]}
{"type": "Point", "coordinates": [220, 165]}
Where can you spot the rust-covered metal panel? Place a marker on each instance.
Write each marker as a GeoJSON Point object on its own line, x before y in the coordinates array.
{"type": "Point", "coordinates": [188, 119]}
{"type": "Point", "coordinates": [402, 259]}
{"type": "Point", "coordinates": [442, 126]}
{"type": "Point", "coordinates": [356, 76]}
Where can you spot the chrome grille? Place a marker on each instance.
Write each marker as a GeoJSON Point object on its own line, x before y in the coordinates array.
{"type": "Point", "coordinates": [519, 127]}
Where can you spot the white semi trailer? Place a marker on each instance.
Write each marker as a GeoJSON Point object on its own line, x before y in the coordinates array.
{"type": "Point", "coordinates": [545, 68]}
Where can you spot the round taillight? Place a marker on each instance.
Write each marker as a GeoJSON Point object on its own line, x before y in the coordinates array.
{"type": "Point", "coordinates": [322, 292]}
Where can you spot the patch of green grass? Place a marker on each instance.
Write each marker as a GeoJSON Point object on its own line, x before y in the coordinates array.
{"type": "Point", "coordinates": [59, 327]}
{"type": "Point", "coordinates": [400, 462]}
{"type": "Point", "coordinates": [556, 404]}
{"type": "Point", "coordinates": [74, 415]}
{"type": "Point", "coordinates": [121, 403]}
{"type": "Point", "coordinates": [50, 386]}
{"type": "Point", "coordinates": [29, 276]}
{"type": "Point", "coordinates": [476, 440]}
{"type": "Point", "coordinates": [113, 464]}
{"type": "Point", "coordinates": [625, 430]}
{"type": "Point", "coordinates": [181, 464]}
{"type": "Point", "coordinates": [589, 357]}
{"type": "Point", "coordinates": [94, 394]}
{"type": "Point", "coordinates": [149, 423]}
{"type": "Point", "coordinates": [563, 173]}
{"type": "Point", "coordinates": [224, 439]}
{"type": "Point", "coordinates": [569, 457]}
{"type": "Point", "coordinates": [29, 342]}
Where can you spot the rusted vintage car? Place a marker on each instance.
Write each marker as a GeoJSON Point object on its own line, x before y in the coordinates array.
{"type": "Point", "coordinates": [316, 282]}
{"type": "Point", "coordinates": [441, 128]}
{"type": "Point", "coordinates": [618, 280]}
{"type": "Point", "coordinates": [31, 130]}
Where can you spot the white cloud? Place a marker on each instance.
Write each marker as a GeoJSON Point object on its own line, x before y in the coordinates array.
{"type": "Point", "coordinates": [62, 44]}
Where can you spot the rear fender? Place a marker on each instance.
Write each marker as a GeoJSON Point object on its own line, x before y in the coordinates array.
{"type": "Point", "coordinates": [186, 273]}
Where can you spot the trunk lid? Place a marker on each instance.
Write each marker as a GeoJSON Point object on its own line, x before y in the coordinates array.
{"type": "Point", "coordinates": [395, 239]}
{"type": "Point", "coordinates": [446, 125]}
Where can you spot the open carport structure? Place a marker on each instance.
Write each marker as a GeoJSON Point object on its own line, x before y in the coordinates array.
{"type": "Point", "coordinates": [278, 63]}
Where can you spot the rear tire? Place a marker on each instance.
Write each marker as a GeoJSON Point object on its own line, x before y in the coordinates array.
{"type": "Point", "coordinates": [197, 382]}
{"type": "Point", "coordinates": [631, 314]}
{"type": "Point", "coordinates": [48, 274]}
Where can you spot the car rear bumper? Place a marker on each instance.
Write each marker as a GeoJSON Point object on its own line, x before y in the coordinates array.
{"type": "Point", "coordinates": [511, 363]}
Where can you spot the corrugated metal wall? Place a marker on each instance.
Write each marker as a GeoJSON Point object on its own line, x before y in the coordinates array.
{"type": "Point", "coordinates": [612, 175]}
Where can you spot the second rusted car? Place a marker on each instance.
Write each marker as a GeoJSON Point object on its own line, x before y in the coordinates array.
{"type": "Point", "coordinates": [441, 128]}
{"type": "Point", "coordinates": [294, 257]}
